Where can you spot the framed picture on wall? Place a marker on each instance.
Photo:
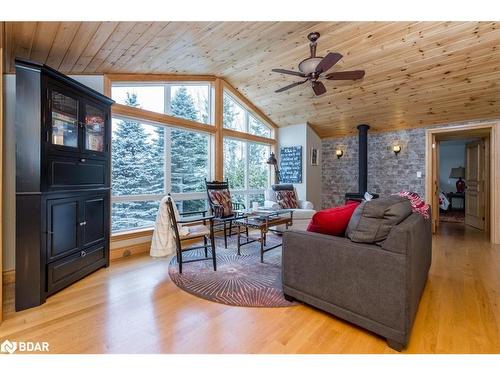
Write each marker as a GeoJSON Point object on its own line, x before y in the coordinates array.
{"type": "Point", "coordinates": [314, 156]}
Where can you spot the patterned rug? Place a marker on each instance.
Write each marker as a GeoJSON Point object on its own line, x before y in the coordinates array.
{"type": "Point", "coordinates": [240, 280]}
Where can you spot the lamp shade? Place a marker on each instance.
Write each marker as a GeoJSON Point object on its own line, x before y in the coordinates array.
{"type": "Point", "coordinates": [272, 159]}
{"type": "Point", "coordinates": [457, 172]}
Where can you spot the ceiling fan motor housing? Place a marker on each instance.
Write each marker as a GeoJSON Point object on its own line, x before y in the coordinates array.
{"type": "Point", "coordinates": [309, 65]}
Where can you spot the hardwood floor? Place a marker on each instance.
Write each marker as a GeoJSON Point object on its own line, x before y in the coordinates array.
{"type": "Point", "coordinates": [133, 307]}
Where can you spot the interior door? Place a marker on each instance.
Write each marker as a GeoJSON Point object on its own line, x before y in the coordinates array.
{"type": "Point", "coordinates": [435, 184]}
{"type": "Point", "coordinates": [475, 197]}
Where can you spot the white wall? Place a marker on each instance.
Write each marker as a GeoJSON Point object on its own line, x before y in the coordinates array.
{"type": "Point", "coordinates": [296, 135]}
{"type": "Point", "coordinates": [9, 171]}
{"type": "Point", "coordinates": [313, 171]}
{"type": "Point", "coordinates": [303, 135]}
{"type": "Point", "coordinates": [451, 155]}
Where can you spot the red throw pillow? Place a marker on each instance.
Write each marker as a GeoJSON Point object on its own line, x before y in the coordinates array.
{"type": "Point", "coordinates": [332, 221]}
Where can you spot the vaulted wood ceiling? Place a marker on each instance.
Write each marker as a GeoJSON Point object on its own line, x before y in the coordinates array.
{"type": "Point", "coordinates": [417, 73]}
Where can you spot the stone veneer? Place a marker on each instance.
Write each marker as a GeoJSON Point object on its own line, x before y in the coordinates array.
{"type": "Point", "coordinates": [387, 173]}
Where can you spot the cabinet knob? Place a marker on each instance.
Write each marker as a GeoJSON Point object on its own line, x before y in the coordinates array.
{"type": "Point", "coordinates": [83, 160]}
{"type": "Point", "coordinates": [83, 254]}
{"type": "Point", "coordinates": [83, 223]}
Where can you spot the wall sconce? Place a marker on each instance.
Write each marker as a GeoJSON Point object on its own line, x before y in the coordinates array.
{"type": "Point", "coordinates": [339, 153]}
{"type": "Point", "coordinates": [396, 149]}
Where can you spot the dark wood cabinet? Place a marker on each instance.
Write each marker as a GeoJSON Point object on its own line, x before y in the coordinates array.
{"type": "Point", "coordinates": [63, 136]}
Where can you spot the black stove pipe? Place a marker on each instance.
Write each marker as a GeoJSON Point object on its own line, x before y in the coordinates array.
{"type": "Point", "coordinates": [363, 158]}
{"type": "Point", "coordinates": [363, 165]}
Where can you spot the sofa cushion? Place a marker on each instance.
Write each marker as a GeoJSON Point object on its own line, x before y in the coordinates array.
{"type": "Point", "coordinates": [372, 221]}
{"type": "Point", "coordinates": [287, 199]}
{"type": "Point", "coordinates": [332, 221]}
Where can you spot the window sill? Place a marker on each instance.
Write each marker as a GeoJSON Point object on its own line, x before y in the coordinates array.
{"type": "Point", "coordinates": [131, 234]}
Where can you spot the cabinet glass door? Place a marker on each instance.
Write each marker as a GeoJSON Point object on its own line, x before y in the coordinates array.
{"type": "Point", "coordinates": [64, 120]}
{"type": "Point", "coordinates": [94, 128]}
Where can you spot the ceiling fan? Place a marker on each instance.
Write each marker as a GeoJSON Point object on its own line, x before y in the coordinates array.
{"type": "Point", "coordinates": [314, 68]}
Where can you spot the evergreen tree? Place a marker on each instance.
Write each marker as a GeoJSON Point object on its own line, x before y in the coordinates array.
{"type": "Point", "coordinates": [189, 152]}
{"type": "Point", "coordinates": [132, 173]}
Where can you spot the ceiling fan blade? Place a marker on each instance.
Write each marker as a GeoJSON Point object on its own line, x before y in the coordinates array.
{"type": "Point", "coordinates": [318, 87]}
{"type": "Point", "coordinates": [291, 72]}
{"type": "Point", "coordinates": [328, 61]}
{"type": "Point", "coordinates": [290, 86]}
{"type": "Point", "coordinates": [353, 74]}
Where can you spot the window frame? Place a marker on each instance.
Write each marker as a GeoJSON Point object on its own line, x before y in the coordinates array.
{"type": "Point", "coordinates": [215, 129]}
{"type": "Point", "coordinates": [248, 112]}
{"type": "Point", "coordinates": [167, 94]}
{"type": "Point", "coordinates": [247, 191]}
{"type": "Point", "coordinates": [178, 197]}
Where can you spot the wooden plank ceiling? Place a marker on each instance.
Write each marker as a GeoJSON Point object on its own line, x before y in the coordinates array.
{"type": "Point", "coordinates": [417, 73]}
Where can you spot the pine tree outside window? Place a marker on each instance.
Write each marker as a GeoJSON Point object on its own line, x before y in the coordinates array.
{"type": "Point", "coordinates": [150, 160]}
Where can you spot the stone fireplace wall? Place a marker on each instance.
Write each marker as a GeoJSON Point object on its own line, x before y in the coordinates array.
{"type": "Point", "coordinates": [387, 173]}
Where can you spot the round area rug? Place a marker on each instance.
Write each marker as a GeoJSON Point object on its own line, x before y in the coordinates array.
{"type": "Point", "coordinates": [240, 280]}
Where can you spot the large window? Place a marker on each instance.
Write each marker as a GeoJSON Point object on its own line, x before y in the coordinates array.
{"type": "Point", "coordinates": [191, 101]}
{"type": "Point", "coordinates": [235, 117]}
{"type": "Point", "coordinates": [149, 161]}
{"type": "Point", "coordinates": [246, 170]}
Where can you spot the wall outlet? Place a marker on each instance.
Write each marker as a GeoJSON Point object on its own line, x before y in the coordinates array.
{"type": "Point", "coordinates": [419, 174]}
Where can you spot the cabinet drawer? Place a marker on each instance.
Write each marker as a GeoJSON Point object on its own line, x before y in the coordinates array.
{"type": "Point", "coordinates": [72, 268]}
{"type": "Point", "coordinates": [66, 172]}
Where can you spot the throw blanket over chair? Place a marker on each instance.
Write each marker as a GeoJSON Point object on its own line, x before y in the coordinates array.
{"type": "Point", "coordinates": [171, 231]}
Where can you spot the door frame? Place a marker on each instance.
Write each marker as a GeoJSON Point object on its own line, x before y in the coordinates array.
{"type": "Point", "coordinates": [494, 168]}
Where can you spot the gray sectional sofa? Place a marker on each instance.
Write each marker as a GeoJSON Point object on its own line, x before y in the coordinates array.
{"type": "Point", "coordinates": [374, 285]}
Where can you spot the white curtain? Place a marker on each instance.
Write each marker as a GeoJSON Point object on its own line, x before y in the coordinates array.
{"type": "Point", "coordinates": [163, 242]}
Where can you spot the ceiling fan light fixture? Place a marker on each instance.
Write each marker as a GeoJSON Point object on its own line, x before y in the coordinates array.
{"type": "Point", "coordinates": [309, 65]}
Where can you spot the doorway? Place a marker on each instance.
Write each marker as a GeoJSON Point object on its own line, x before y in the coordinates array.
{"type": "Point", "coordinates": [461, 182]}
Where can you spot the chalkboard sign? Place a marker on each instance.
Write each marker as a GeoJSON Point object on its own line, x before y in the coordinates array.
{"type": "Point", "coordinates": [291, 165]}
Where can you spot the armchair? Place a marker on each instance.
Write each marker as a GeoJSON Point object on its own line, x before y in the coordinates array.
{"type": "Point", "coordinates": [301, 215]}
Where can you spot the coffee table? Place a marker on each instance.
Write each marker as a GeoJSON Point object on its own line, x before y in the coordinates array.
{"type": "Point", "coordinates": [263, 221]}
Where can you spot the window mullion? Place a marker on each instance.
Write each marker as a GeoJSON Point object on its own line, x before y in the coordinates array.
{"type": "Point", "coordinates": [168, 159]}
{"type": "Point", "coordinates": [247, 169]}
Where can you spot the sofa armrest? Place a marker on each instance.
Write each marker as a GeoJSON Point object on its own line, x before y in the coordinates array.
{"type": "Point", "coordinates": [305, 205]}
{"type": "Point", "coordinates": [410, 235]}
{"type": "Point", "coordinates": [360, 277]}
{"type": "Point", "coordinates": [271, 204]}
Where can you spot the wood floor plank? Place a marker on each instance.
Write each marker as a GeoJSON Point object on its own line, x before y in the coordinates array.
{"type": "Point", "coordinates": [133, 307]}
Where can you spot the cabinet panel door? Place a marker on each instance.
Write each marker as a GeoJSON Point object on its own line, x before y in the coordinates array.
{"type": "Point", "coordinates": [72, 172]}
{"type": "Point", "coordinates": [95, 119]}
{"type": "Point", "coordinates": [63, 227]}
{"type": "Point", "coordinates": [63, 120]}
{"type": "Point", "coordinates": [95, 219]}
